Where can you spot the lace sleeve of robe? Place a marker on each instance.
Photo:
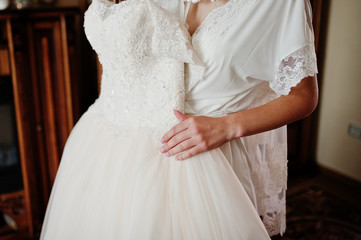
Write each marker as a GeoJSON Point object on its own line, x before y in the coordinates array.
{"type": "Point", "coordinates": [292, 69]}
{"type": "Point", "coordinates": [296, 49]}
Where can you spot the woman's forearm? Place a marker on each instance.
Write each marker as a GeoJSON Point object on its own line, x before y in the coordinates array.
{"type": "Point", "coordinates": [301, 102]}
{"type": "Point", "coordinates": [197, 134]}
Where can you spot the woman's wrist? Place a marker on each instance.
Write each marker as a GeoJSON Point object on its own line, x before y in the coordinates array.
{"type": "Point", "coordinates": [234, 127]}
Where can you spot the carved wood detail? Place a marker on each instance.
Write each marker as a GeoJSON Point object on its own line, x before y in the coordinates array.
{"type": "Point", "coordinates": [41, 52]}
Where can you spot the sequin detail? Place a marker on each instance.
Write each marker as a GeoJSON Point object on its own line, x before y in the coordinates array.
{"type": "Point", "coordinates": [142, 49]}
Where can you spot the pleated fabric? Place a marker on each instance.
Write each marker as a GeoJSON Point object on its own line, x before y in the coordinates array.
{"type": "Point", "coordinates": [121, 187]}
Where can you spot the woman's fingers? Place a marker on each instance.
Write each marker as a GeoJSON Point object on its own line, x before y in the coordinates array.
{"type": "Point", "coordinates": [190, 153]}
{"type": "Point", "coordinates": [186, 144]}
{"type": "Point", "coordinates": [177, 128]}
{"type": "Point", "coordinates": [182, 146]}
{"type": "Point", "coordinates": [180, 116]}
{"type": "Point", "coordinates": [180, 127]}
{"type": "Point", "coordinates": [193, 135]}
{"type": "Point", "coordinates": [176, 140]}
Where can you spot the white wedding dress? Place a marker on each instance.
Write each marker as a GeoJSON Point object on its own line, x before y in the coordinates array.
{"type": "Point", "coordinates": [113, 182]}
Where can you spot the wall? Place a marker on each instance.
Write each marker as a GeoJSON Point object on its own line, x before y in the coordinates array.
{"type": "Point", "coordinates": [340, 102]}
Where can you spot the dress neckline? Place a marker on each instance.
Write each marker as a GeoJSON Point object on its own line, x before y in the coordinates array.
{"type": "Point", "coordinates": [204, 26]}
{"type": "Point", "coordinates": [207, 19]}
{"type": "Point", "coordinates": [201, 26]}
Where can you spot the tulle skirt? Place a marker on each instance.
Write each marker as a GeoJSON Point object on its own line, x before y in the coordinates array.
{"type": "Point", "coordinates": [110, 186]}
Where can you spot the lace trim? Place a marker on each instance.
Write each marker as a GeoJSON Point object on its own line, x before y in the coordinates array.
{"type": "Point", "coordinates": [217, 22]}
{"type": "Point", "coordinates": [113, 128]}
{"type": "Point", "coordinates": [171, 38]}
{"type": "Point", "coordinates": [221, 19]}
{"type": "Point", "coordinates": [269, 174]}
{"type": "Point", "coordinates": [274, 176]}
{"type": "Point", "coordinates": [295, 67]}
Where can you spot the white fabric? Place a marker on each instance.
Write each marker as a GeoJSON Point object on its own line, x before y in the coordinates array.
{"type": "Point", "coordinates": [172, 6]}
{"type": "Point", "coordinates": [253, 51]}
{"type": "Point", "coordinates": [113, 183]}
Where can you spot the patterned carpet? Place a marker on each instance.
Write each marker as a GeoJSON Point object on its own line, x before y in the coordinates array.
{"type": "Point", "coordinates": [314, 213]}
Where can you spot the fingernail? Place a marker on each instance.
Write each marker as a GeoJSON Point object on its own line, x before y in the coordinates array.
{"type": "Point", "coordinates": [167, 154]}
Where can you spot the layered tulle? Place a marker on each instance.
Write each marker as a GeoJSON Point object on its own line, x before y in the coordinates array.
{"type": "Point", "coordinates": [121, 187]}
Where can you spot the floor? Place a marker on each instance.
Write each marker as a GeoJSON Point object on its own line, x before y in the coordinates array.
{"type": "Point", "coordinates": [326, 206]}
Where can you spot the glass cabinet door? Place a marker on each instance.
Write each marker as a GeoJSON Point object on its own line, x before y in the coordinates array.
{"type": "Point", "coordinates": [10, 170]}
{"type": "Point", "coordinates": [11, 180]}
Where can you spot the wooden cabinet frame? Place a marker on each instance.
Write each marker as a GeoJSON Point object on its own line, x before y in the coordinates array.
{"type": "Point", "coordinates": [46, 73]}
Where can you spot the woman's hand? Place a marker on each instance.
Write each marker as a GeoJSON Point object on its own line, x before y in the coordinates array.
{"type": "Point", "coordinates": [194, 135]}
{"type": "Point", "coordinates": [197, 134]}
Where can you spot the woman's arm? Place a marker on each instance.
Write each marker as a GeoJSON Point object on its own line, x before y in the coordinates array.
{"type": "Point", "coordinates": [197, 134]}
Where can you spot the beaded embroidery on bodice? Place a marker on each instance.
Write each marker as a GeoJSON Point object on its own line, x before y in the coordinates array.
{"type": "Point", "coordinates": [142, 49]}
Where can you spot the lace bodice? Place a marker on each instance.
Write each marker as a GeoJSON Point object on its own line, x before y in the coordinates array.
{"type": "Point", "coordinates": [142, 50]}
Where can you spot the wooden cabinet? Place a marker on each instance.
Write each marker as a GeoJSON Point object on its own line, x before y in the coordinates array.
{"type": "Point", "coordinates": [42, 54]}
